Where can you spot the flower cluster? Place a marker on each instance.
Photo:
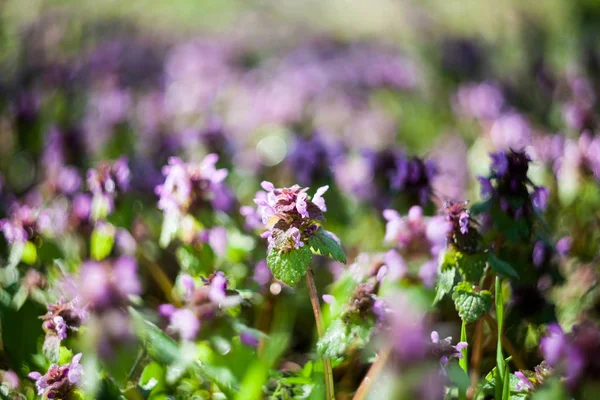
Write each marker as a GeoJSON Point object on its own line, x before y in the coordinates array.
{"type": "Point", "coordinates": [509, 185]}
{"type": "Point", "coordinates": [462, 232]}
{"type": "Point", "coordinates": [416, 238]}
{"type": "Point", "coordinates": [60, 381]}
{"type": "Point", "coordinates": [444, 348]}
{"type": "Point", "coordinates": [105, 182]}
{"type": "Point", "coordinates": [63, 318]}
{"type": "Point", "coordinates": [290, 215]}
{"type": "Point", "coordinates": [573, 355]}
{"type": "Point", "coordinates": [201, 302]}
{"type": "Point", "coordinates": [188, 187]}
{"type": "Point", "coordinates": [391, 173]}
{"type": "Point", "coordinates": [21, 225]}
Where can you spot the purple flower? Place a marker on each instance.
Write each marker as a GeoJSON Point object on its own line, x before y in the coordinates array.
{"type": "Point", "coordinates": [249, 339]}
{"type": "Point", "coordinates": [290, 215]}
{"type": "Point", "coordinates": [553, 345]}
{"type": "Point", "coordinates": [524, 382]}
{"type": "Point", "coordinates": [218, 287]}
{"type": "Point", "coordinates": [60, 381]}
{"type": "Point", "coordinates": [10, 379]}
{"type": "Point", "coordinates": [64, 317]}
{"type": "Point", "coordinates": [463, 221]}
{"type": "Point", "coordinates": [486, 186]}
{"type": "Point", "coordinates": [444, 349]}
{"type": "Point", "coordinates": [396, 266]}
{"type": "Point", "coordinates": [539, 253]}
{"type": "Point", "coordinates": [185, 323]}
{"type": "Point", "coordinates": [499, 163]}
{"type": "Point", "coordinates": [20, 226]}
{"type": "Point", "coordinates": [105, 284]}
{"type": "Point", "coordinates": [540, 197]}
{"type": "Point", "coordinates": [262, 273]}
{"type": "Point", "coordinates": [563, 245]}
{"type": "Point", "coordinates": [318, 199]}
{"type": "Point", "coordinates": [190, 186]}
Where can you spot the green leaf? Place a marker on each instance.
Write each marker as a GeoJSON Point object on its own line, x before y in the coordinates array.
{"type": "Point", "coordinates": [165, 350]}
{"type": "Point", "coordinates": [290, 267]}
{"type": "Point", "coordinates": [444, 284]}
{"type": "Point", "coordinates": [470, 266]}
{"type": "Point", "coordinates": [334, 342]}
{"type": "Point", "coordinates": [502, 267]}
{"type": "Point", "coordinates": [342, 337]}
{"type": "Point", "coordinates": [102, 242]}
{"type": "Point", "coordinates": [471, 305]}
{"type": "Point", "coordinates": [459, 377]}
{"type": "Point", "coordinates": [324, 244]}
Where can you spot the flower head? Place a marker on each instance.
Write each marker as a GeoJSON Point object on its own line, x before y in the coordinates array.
{"type": "Point", "coordinates": [290, 215]}
{"type": "Point", "coordinates": [59, 381]}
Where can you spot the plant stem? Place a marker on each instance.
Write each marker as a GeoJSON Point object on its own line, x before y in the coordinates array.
{"type": "Point", "coordinates": [463, 338]}
{"type": "Point", "coordinates": [500, 364]}
{"type": "Point", "coordinates": [477, 353]}
{"type": "Point", "coordinates": [516, 358]}
{"type": "Point", "coordinates": [371, 376]}
{"type": "Point", "coordinates": [316, 306]}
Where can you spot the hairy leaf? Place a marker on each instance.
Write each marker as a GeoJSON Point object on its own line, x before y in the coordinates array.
{"type": "Point", "coordinates": [445, 283]}
{"type": "Point", "coordinates": [324, 244]}
{"type": "Point", "coordinates": [471, 305]}
{"type": "Point", "coordinates": [289, 267]}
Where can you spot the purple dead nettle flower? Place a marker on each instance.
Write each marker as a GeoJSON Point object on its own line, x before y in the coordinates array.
{"type": "Point", "coordinates": [414, 237]}
{"type": "Point", "coordinates": [538, 376]}
{"type": "Point", "coordinates": [573, 355]}
{"type": "Point", "coordinates": [444, 349]}
{"type": "Point", "coordinates": [462, 231]}
{"type": "Point", "coordinates": [53, 219]}
{"type": "Point", "coordinates": [189, 186]}
{"type": "Point", "coordinates": [391, 170]}
{"type": "Point", "coordinates": [310, 158]}
{"type": "Point", "coordinates": [482, 100]}
{"type": "Point", "coordinates": [290, 215]}
{"type": "Point", "coordinates": [509, 185]}
{"type": "Point", "coordinates": [60, 381]}
{"type": "Point", "coordinates": [105, 183]}
{"type": "Point", "coordinates": [10, 380]}
{"type": "Point", "coordinates": [408, 329]}
{"type": "Point", "coordinates": [64, 317]}
{"type": "Point", "coordinates": [201, 301]}
{"type": "Point", "coordinates": [20, 225]}
{"type": "Point", "coordinates": [104, 285]}
{"type": "Point", "coordinates": [262, 274]}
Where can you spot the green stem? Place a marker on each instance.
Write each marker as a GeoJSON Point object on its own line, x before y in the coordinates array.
{"type": "Point", "coordinates": [316, 306]}
{"type": "Point", "coordinates": [500, 365]}
{"type": "Point", "coordinates": [463, 362]}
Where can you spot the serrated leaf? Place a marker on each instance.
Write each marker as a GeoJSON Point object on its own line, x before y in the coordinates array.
{"type": "Point", "coordinates": [471, 305]}
{"type": "Point", "coordinates": [324, 244]}
{"type": "Point", "coordinates": [342, 337]}
{"type": "Point", "coordinates": [334, 342]}
{"type": "Point", "coordinates": [501, 267]}
{"type": "Point", "coordinates": [290, 267]}
{"type": "Point", "coordinates": [445, 283]}
{"type": "Point", "coordinates": [470, 266]}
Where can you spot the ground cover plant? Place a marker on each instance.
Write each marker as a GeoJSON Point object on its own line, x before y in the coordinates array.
{"type": "Point", "coordinates": [292, 206]}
